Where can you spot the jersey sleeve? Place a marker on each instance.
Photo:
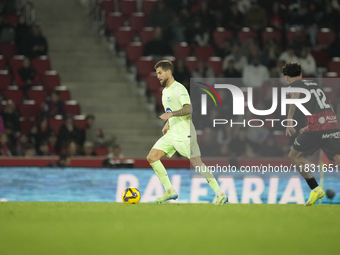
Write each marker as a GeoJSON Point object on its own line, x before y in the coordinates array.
{"type": "Point", "coordinates": [183, 95]}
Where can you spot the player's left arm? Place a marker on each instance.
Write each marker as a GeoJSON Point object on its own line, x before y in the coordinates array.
{"type": "Point", "coordinates": [185, 110]}
{"type": "Point", "coordinates": [292, 107]}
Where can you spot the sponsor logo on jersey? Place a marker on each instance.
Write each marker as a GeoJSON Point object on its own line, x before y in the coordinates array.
{"type": "Point", "coordinates": [331, 135]}
{"type": "Point", "coordinates": [168, 99]}
{"type": "Point", "coordinates": [168, 110]}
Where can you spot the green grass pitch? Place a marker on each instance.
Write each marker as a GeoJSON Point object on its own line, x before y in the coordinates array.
{"type": "Point", "coordinates": [50, 228]}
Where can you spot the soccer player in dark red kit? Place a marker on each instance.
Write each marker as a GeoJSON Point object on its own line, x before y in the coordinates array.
{"type": "Point", "coordinates": [322, 130]}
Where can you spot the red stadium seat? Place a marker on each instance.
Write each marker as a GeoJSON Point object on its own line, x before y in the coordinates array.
{"type": "Point", "coordinates": [124, 37]}
{"type": "Point", "coordinates": [321, 56]}
{"type": "Point", "coordinates": [56, 122]}
{"type": "Point", "coordinates": [8, 50]}
{"type": "Point", "coordinates": [101, 151]}
{"type": "Point", "coordinates": [16, 62]}
{"type": "Point", "coordinates": [38, 94]}
{"type": "Point", "coordinates": [148, 5]}
{"type": "Point", "coordinates": [153, 83]}
{"type": "Point", "coordinates": [79, 121]}
{"type": "Point", "coordinates": [216, 64]}
{"type": "Point", "coordinates": [137, 21]}
{"type": "Point", "coordinates": [50, 80]}
{"type": "Point", "coordinates": [29, 109]}
{"type": "Point", "coordinates": [72, 107]}
{"type": "Point", "coordinates": [331, 94]}
{"type": "Point", "coordinates": [191, 63]}
{"type": "Point", "coordinates": [64, 93]}
{"type": "Point", "coordinates": [221, 34]}
{"type": "Point", "coordinates": [12, 19]}
{"type": "Point", "coordinates": [127, 7]}
{"type": "Point", "coordinates": [331, 83]}
{"type": "Point", "coordinates": [271, 33]}
{"type": "Point", "coordinates": [245, 33]}
{"type": "Point", "coordinates": [145, 65]}
{"type": "Point", "coordinates": [334, 65]}
{"type": "Point", "coordinates": [107, 6]}
{"type": "Point", "coordinates": [281, 138]}
{"type": "Point", "coordinates": [292, 33]}
{"type": "Point", "coordinates": [26, 124]}
{"type": "Point", "coordinates": [3, 63]}
{"type": "Point", "coordinates": [146, 34]}
{"type": "Point", "coordinates": [325, 37]}
{"type": "Point", "coordinates": [5, 79]}
{"type": "Point", "coordinates": [114, 21]}
{"type": "Point", "coordinates": [42, 64]}
{"type": "Point", "coordinates": [181, 50]}
{"type": "Point", "coordinates": [331, 75]}
{"type": "Point", "coordinates": [134, 51]}
{"type": "Point", "coordinates": [203, 53]}
{"type": "Point", "coordinates": [13, 93]}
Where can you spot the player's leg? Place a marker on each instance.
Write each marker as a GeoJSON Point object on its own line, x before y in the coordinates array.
{"type": "Point", "coordinates": [303, 168]}
{"type": "Point", "coordinates": [159, 150]}
{"type": "Point", "coordinates": [197, 163]}
{"type": "Point", "coordinates": [189, 148]}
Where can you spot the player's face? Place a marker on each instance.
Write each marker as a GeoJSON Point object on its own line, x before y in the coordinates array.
{"type": "Point", "coordinates": [162, 76]}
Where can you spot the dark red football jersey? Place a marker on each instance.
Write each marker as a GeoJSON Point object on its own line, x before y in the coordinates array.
{"type": "Point", "coordinates": [323, 118]}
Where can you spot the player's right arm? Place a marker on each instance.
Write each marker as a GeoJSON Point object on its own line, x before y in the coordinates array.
{"type": "Point", "coordinates": [165, 128]}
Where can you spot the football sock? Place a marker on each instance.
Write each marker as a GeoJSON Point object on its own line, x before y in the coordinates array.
{"type": "Point", "coordinates": [312, 183]}
{"type": "Point", "coordinates": [162, 174]}
{"type": "Point", "coordinates": [210, 179]}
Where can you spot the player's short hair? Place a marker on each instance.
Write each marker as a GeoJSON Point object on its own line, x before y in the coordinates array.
{"type": "Point", "coordinates": [165, 65]}
{"type": "Point", "coordinates": [291, 69]}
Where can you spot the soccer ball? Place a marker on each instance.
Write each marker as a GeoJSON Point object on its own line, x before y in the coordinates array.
{"type": "Point", "coordinates": [131, 196]}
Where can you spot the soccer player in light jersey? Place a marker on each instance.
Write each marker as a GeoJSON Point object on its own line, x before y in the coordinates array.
{"type": "Point", "coordinates": [178, 134]}
{"type": "Point", "coordinates": [322, 131]}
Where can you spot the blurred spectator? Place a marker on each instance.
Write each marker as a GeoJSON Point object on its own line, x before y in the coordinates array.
{"type": "Point", "coordinates": [157, 47]}
{"type": "Point", "coordinates": [330, 18]}
{"type": "Point", "coordinates": [197, 35]}
{"type": "Point", "coordinates": [5, 147]}
{"type": "Point", "coordinates": [26, 75]}
{"type": "Point", "coordinates": [225, 151]}
{"type": "Point", "coordinates": [33, 135]}
{"type": "Point", "coordinates": [204, 14]}
{"type": "Point", "coordinates": [7, 33]}
{"type": "Point", "coordinates": [10, 116]}
{"type": "Point", "coordinates": [231, 71]}
{"type": "Point", "coordinates": [289, 55]}
{"type": "Point", "coordinates": [44, 131]}
{"type": "Point", "coordinates": [54, 105]}
{"type": "Point", "coordinates": [73, 149]}
{"type": "Point", "coordinates": [276, 19]}
{"type": "Point", "coordinates": [185, 15]}
{"type": "Point", "coordinates": [240, 61]}
{"type": "Point", "coordinates": [243, 5]}
{"type": "Point", "coordinates": [255, 17]}
{"type": "Point", "coordinates": [334, 48]}
{"type": "Point", "coordinates": [63, 161]}
{"type": "Point", "coordinates": [208, 144]}
{"type": "Point", "coordinates": [44, 149]}
{"type": "Point", "coordinates": [255, 74]}
{"type": "Point", "coordinates": [22, 30]}
{"type": "Point", "coordinates": [225, 49]}
{"type": "Point", "coordinates": [36, 44]}
{"type": "Point", "coordinates": [69, 132]}
{"type": "Point", "coordinates": [202, 70]}
{"type": "Point", "coordinates": [240, 145]}
{"type": "Point", "coordinates": [52, 142]}
{"type": "Point", "coordinates": [30, 152]}
{"type": "Point", "coordinates": [22, 144]}
{"type": "Point", "coordinates": [160, 16]}
{"type": "Point", "coordinates": [270, 148]}
{"type": "Point", "coordinates": [181, 72]}
{"type": "Point", "coordinates": [307, 63]}
{"type": "Point", "coordinates": [117, 153]}
{"type": "Point", "coordinates": [95, 135]}
{"type": "Point", "coordinates": [88, 150]}
{"type": "Point", "coordinates": [177, 30]}
{"type": "Point", "coordinates": [233, 18]}
{"type": "Point", "coordinates": [272, 50]}
{"type": "Point", "coordinates": [2, 126]}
